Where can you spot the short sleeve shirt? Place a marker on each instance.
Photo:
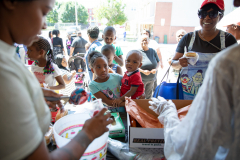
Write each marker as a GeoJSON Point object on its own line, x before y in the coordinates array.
{"type": "Point", "coordinates": [110, 88]}
{"type": "Point", "coordinates": [47, 78]}
{"type": "Point", "coordinates": [24, 115]}
{"type": "Point", "coordinates": [149, 62]}
{"type": "Point", "coordinates": [132, 80]}
{"type": "Point", "coordinates": [118, 51]}
{"type": "Point", "coordinates": [204, 47]}
{"type": "Point", "coordinates": [79, 45]}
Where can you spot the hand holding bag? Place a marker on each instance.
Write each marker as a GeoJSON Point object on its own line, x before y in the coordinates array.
{"type": "Point", "coordinates": [169, 90]}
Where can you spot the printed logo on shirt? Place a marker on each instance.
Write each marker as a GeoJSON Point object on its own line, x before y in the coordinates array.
{"type": "Point", "coordinates": [126, 82]}
{"type": "Point", "coordinates": [108, 93]}
{"type": "Point", "coordinates": [40, 77]}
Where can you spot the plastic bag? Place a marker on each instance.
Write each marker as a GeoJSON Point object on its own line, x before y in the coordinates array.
{"type": "Point", "coordinates": [144, 118]}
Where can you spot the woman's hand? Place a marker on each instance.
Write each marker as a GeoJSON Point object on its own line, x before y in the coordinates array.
{"type": "Point", "coordinates": [97, 125]}
{"type": "Point", "coordinates": [51, 93]}
{"type": "Point", "coordinates": [153, 71]}
{"type": "Point", "coordinates": [183, 61]}
{"type": "Point", "coordinates": [146, 72]}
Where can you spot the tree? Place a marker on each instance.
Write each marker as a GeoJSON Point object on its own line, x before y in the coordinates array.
{"type": "Point", "coordinates": [68, 13]}
{"type": "Point", "coordinates": [113, 11]}
{"type": "Point", "coordinates": [52, 16]}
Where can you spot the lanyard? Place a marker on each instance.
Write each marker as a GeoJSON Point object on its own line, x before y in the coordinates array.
{"type": "Point", "coordinates": [92, 43]}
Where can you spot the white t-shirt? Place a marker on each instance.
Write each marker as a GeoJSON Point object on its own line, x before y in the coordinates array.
{"type": "Point", "coordinates": [211, 128]}
{"type": "Point", "coordinates": [70, 86]}
{"type": "Point", "coordinates": [153, 44]}
{"type": "Point", "coordinates": [24, 115]}
{"type": "Point", "coordinates": [47, 78]}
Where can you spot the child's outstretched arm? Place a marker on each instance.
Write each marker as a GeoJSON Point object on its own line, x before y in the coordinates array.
{"type": "Point", "coordinates": [67, 79]}
{"type": "Point", "coordinates": [119, 59]}
{"type": "Point", "coordinates": [106, 100]}
{"type": "Point", "coordinates": [129, 93]}
{"type": "Point", "coordinates": [61, 84]}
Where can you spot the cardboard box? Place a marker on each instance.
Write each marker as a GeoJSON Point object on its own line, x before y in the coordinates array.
{"type": "Point", "coordinates": [149, 137]}
{"type": "Point", "coordinates": [117, 130]}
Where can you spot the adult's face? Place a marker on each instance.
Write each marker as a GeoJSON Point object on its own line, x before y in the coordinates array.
{"type": "Point", "coordinates": [208, 23]}
{"type": "Point", "coordinates": [27, 19]}
{"type": "Point", "coordinates": [145, 33]}
{"type": "Point", "coordinates": [144, 41]}
{"type": "Point", "coordinates": [179, 37]}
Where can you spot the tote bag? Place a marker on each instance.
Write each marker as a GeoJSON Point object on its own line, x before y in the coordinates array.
{"type": "Point", "coordinates": [169, 90]}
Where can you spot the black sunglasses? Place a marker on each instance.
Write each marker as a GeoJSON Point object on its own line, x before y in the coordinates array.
{"type": "Point", "coordinates": [211, 14]}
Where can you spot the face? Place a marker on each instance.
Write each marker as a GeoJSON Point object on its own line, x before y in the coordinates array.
{"type": "Point", "coordinates": [109, 37]}
{"type": "Point", "coordinates": [179, 37]}
{"type": "Point", "coordinates": [208, 23]}
{"type": "Point", "coordinates": [144, 41]}
{"type": "Point", "coordinates": [133, 62]}
{"type": "Point", "coordinates": [64, 62]}
{"type": "Point", "coordinates": [109, 56]}
{"type": "Point", "coordinates": [100, 68]}
{"type": "Point", "coordinates": [145, 33]}
{"type": "Point", "coordinates": [29, 19]}
{"type": "Point", "coordinates": [33, 53]}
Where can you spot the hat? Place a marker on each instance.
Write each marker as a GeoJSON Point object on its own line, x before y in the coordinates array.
{"type": "Point", "coordinates": [219, 3]}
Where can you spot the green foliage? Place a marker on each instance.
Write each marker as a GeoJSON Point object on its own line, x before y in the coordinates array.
{"type": "Point", "coordinates": [52, 16]}
{"type": "Point", "coordinates": [113, 11]}
{"type": "Point", "coordinates": [68, 13]}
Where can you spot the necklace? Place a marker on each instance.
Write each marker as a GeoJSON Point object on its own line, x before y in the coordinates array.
{"type": "Point", "coordinates": [208, 41]}
{"type": "Point", "coordinates": [46, 70]}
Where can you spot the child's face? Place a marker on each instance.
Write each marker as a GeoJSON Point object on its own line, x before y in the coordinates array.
{"type": "Point", "coordinates": [109, 37]}
{"type": "Point", "coordinates": [33, 53]}
{"type": "Point", "coordinates": [100, 68]}
{"type": "Point", "coordinates": [109, 56]}
{"type": "Point", "coordinates": [64, 62]}
{"type": "Point", "coordinates": [133, 62]}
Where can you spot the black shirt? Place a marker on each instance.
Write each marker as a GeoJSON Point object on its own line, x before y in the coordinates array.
{"type": "Point", "coordinates": [57, 41]}
{"type": "Point", "coordinates": [149, 62]}
{"type": "Point", "coordinates": [202, 46]}
{"type": "Point", "coordinates": [79, 45]}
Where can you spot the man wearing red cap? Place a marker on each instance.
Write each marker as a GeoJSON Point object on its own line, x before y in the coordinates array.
{"type": "Point", "coordinates": [211, 129]}
{"type": "Point", "coordinates": [234, 29]}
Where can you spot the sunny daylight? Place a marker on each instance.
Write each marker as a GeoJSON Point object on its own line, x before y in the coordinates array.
{"type": "Point", "coordinates": [120, 79]}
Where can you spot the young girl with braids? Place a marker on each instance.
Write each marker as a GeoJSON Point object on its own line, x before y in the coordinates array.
{"type": "Point", "coordinates": [43, 67]}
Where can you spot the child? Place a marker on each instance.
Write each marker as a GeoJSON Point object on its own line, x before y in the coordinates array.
{"type": "Point", "coordinates": [108, 51]}
{"type": "Point", "coordinates": [132, 84]}
{"type": "Point", "coordinates": [106, 85]}
{"type": "Point", "coordinates": [68, 77]}
{"type": "Point", "coordinates": [44, 69]}
{"type": "Point", "coordinates": [109, 36]}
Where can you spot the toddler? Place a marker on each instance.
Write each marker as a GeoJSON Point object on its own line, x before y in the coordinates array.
{"type": "Point", "coordinates": [132, 85]}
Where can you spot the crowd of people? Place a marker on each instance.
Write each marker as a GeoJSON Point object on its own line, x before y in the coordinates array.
{"type": "Point", "coordinates": [212, 83]}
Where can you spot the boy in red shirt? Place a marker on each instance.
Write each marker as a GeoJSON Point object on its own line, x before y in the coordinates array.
{"type": "Point", "coordinates": [132, 84]}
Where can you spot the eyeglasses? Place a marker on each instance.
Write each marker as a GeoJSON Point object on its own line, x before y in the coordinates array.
{"type": "Point", "coordinates": [211, 14]}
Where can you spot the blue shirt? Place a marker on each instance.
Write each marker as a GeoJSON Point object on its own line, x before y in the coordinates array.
{"type": "Point", "coordinates": [110, 88]}
{"type": "Point", "coordinates": [91, 48]}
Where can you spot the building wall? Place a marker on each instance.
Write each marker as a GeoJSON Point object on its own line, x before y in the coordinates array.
{"type": "Point", "coordinates": [164, 11]}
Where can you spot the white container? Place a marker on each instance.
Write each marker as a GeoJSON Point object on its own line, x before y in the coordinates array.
{"type": "Point", "coordinates": [68, 127]}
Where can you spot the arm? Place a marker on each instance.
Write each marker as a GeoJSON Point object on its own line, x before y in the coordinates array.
{"type": "Point", "coordinates": [68, 80]}
{"type": "Point", "coordinates": [71, 51]}
{"type": "Point", "coordinates": [160, 57]}
{"type": "Point", "coordinates": [129, 93]}
{"type": "Point", "coordinates": [179, 61]}
{"type": "Point", "coordinates": [105, 99]}
{"type": "Point", "coordinates": [146, 72]}
{"type": "Point", "coordinates": [61, 84]}
{"type": "Point", "coordinates": [213, 103]}
{"type": "Point", "coordinates": [154, 71]}
{"type": "Point", "coordinates": [92, 129]}
{"type": "Point", "coordinates": [119, 70]}
{"type": "Point", "coordinates": [62, 47]}
{"type": "Point", "coordinates": [119, 59]}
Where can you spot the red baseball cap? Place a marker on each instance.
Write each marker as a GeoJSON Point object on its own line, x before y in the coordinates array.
{"type": "Point", "coordinates": [219, 3]}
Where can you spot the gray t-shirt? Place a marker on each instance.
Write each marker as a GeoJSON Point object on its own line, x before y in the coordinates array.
{"type": "Point", "coordinates": [79, 45]}
{"type": "Point", "coordinates": [149, 62]}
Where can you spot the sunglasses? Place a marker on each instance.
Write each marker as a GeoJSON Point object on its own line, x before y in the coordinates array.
{"type": "Point", "coordinates": [211, 14]}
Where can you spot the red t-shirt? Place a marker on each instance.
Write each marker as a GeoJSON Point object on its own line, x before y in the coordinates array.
{"type": "Point", "coordinates": [135, 80]}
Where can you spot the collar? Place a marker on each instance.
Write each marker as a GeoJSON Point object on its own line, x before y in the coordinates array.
{"type": "Point", "coordinates": [8, 50]}
{"type": "Point", "coordinates": [131, 73]}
